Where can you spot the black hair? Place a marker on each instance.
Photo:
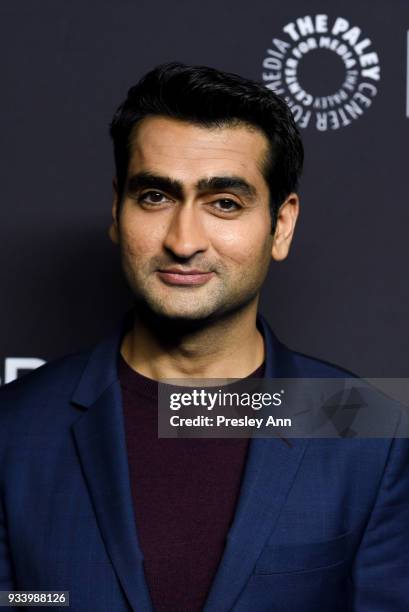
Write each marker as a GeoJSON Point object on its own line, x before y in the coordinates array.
{"type": "Point", "coordinates": [208, 97]}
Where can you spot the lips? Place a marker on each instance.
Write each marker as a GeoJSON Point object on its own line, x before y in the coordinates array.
{"type": "Point", "coordinates": [177, 276]}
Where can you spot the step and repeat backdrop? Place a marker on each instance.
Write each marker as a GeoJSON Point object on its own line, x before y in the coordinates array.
{"type": "Point", "coordinates": [342, 295]}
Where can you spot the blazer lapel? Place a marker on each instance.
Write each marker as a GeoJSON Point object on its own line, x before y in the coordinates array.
{"type": "Point", "coordinates": [270, 472]}
{"type": "Point", "coordinates": [100, 439]}
{"type": "Point", "coordinates": [271, 467]}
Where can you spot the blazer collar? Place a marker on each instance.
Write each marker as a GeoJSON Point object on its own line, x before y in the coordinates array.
{"type": "Point", "coordinates": [101, 370]}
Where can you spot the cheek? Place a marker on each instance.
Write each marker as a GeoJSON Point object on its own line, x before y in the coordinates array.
{"type": "Point", "coordinates": [139, 237]}
{"type": "Point", "coordinates": [244, 242]}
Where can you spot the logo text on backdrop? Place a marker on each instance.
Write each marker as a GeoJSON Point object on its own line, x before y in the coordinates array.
{"type": "Point", "coordinates": [323, 45]}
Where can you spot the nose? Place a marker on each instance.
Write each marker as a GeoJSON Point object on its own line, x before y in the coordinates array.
{"type": "Point", "coordinates": [185, 236]}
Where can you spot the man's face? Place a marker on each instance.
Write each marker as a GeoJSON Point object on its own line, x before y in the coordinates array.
{"type": "Point", "coordinates": [194, 225]}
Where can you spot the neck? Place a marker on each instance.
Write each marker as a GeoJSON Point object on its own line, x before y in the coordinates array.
{"type": "Point", "coordinates": [229, 347]}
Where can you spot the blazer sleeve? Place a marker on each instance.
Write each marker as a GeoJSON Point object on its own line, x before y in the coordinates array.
{"type": "Point", "coordinates": [6, 566]}
{"type": "Point", "coordinates": [381, 568]}
{"type": "Point", "coordinates": [7, 574]}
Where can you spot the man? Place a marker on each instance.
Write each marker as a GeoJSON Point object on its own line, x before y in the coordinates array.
{"type": "Point", "coordinates": [205, 195]}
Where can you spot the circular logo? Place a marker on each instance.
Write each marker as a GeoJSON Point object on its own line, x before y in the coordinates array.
{"type": "Point", "coordinates": [325, 69]}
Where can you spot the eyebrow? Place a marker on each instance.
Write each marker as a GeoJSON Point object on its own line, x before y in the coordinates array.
{"type": "Point", "coordinates": [214, 184]}
{"type": "Point", "coordinates": [227, 183]}
{"type": "Point", "coordinates": [143, 180]}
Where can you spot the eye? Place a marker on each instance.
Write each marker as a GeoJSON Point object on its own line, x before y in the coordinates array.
{"type": "Point", "coordinates": [226, 205]}
{"type": "Point", "coordinates": [152, 198]}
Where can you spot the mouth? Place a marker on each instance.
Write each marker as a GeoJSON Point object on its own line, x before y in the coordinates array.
{"type": "Point", "coordinates": [175, 276]}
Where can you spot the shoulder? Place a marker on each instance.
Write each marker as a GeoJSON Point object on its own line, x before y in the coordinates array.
{"type": "Point", "coordinates": [283, 362]}
{"type": "Point", "coordinates": [314, 367]}
{"type": "Point", "coordinates": [56, 379]}
{"type": "Point", "coordinates": [374, 412]}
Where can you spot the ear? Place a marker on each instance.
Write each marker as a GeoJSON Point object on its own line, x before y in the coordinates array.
{"type": "Point", "coordinates": [286, 220]}
{"type": "Point", "coordinates": [113, 232]}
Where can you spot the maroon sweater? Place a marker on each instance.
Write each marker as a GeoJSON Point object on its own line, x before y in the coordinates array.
{"type": "Point", "coordinates": [184, 493]}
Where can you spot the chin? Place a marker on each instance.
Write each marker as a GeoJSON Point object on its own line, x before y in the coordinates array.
{"type": "Point", "coordinates": [178, 310]}
{"type": "Point", "coordinates": [168, 310]}
{"type": "Point", "coordinates": [174, 318]}
{"type": "Point", "coordinates": [180, 315]}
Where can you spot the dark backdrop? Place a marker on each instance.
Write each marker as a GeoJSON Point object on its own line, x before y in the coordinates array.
{"type": "Point", "coordinates": [342, 295]}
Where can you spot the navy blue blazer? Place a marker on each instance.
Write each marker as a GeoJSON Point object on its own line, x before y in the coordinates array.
{"type": "Point", "coordinates": [321, 525]}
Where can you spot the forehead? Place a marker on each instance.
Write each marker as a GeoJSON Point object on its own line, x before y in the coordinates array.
{"type": "Point", "coordinates": [188, 151]}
